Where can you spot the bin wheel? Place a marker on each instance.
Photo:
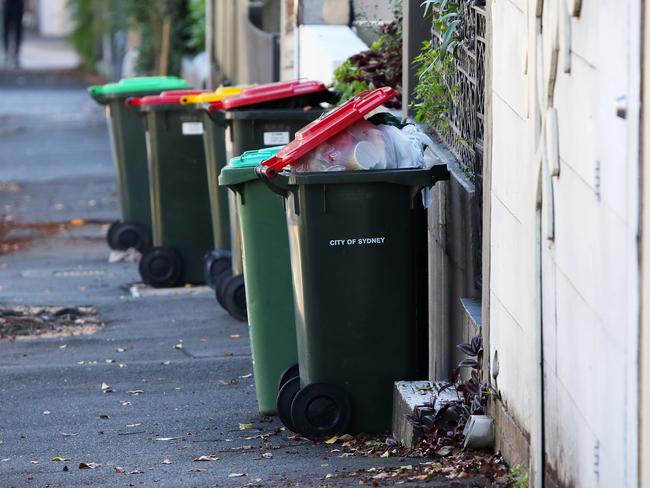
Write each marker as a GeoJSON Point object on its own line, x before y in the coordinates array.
{"type": "Point", "coordinates": [321, 410]}
{"type": "Point", "coordinates": [285, 398]}
{"type": "Point", "coordinates": [234, 297]}
{"type": "Point", "coordinates": [161, 267]}
{"type": "Point", "coordinates": [287, 374]}
{"type": "Point", "coordinates": [215, 263]}
{"type": "Point", "coordinates": [124, 235]}
{"type": "Point", "coordinates": [219, 284]}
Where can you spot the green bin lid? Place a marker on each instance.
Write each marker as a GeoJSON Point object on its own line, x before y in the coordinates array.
{"type": "Point", "coordinates": [242, 168]}
{"type": "Point", "coordinates": [253, 158]}
{"type": "Point", "coordinates": [139, 84]}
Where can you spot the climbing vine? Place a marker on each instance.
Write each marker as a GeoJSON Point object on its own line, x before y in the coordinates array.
{"type": "Point", "coordinates": [435, 90]}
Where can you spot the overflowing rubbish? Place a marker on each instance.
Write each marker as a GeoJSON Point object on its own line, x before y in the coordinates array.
{"type": "Point", "coordinates": [368, 146]}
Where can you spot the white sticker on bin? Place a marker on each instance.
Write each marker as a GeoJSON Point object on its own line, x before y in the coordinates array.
{"type": "Point", "coordinates": [192, 128]}
{"type": "Point", "coordinates": [276, 138]}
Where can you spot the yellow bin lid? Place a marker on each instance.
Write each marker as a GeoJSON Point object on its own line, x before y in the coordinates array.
{"type": "Point", "coordinates": [215, 96]}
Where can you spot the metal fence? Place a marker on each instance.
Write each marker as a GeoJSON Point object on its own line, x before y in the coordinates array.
{"type": "Point", "coordinates": [464, 135]}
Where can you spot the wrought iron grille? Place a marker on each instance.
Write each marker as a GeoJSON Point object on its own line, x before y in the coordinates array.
{"type": "Point", "coordinates": [464, 133]}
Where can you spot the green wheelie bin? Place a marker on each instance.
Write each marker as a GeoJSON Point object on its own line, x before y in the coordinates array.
{"type": "Point", "coordinates": [358, 258]}
{"type": "Point", "coordinates": [267, 272]}
{"type": "Point", "coordinates": [261, 116]}
{"type": "Point", "coordinates": [130, 156]}
{"type": "Point", "coordinates": [218, 262]}
{"type": "Point", "coordinates": [178, 185]}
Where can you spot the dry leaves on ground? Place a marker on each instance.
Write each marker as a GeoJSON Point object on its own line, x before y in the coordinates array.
{"type": "Point", "coordinates": [22, 322]}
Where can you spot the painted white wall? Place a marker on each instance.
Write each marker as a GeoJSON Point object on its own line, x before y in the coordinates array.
{"type": "Point", "coordinates": [323, 48]}
{"type": "Point", "coordinates": [53, 19]}
{"type": "Point", "coordinates": [590, 298]}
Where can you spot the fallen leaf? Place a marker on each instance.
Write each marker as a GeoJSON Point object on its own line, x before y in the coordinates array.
{"type": "Point", "coordinates": [332, 440]}
{"type": "Point", "coordinates": [346, 437]}
{"type": "Point", "coordinates": [106, 388]}
{"type": "Point", "coordinates": [197, 470]}
{"type": "Point", "coordinates": [104, 417]}
{"type": "Point", "coordinates": [63, 346]}
{"type": "Point", "coordinates": [207, 457]}
{"type": "Point", "coordinates": [46, 412]}
{"type": "Point", "coordinates": [120, 349]}
{"type": "Point", "coordinates": [136, 471]}
{"type": "Point", "coordinates": [121, 365]}
{"type": "Point", "coordinates": [133, 425]}
{"type": "Point", "coordinates": [77, 222]}
{"type": "Point", "coordinates": [267, 455]}
{"type": "Point", "coordinates": [329, 475]}
{"type": "Point", "coordinates": [246, 376]}
{"type": "Point", "coordinates": [235, 336]}
{"type": "Point", "coordinates": [444, 451]}
{"type": "Point", "coordinates": [34, 461]}
{"type": "Point", "coordinates": [166, 461]}
{"type": "Point", "coordinates": [109, 361]}
{"type": "Point", "coordinates": [386, 454]}
{"type": "Point", "coordinates": [166, 363]}
{"type": "Point", "coordinates": [178, 346]}
{"type": "Point", "coordinates": [5, 460]}
{"type": "Point", "coordinates": [246, 426]}
{"type": "Point", "coordinates": [72, 434]}
{"type": "Point", "coordinates": [59, 459]}
{"type": "Point", "coordinates": [119, 469]}
{"type": "Point", "coordinates": [236, 475]}
{"type": "Point", "coordinates": [166, 438]}
{"type": "Point", "coordinates": [135, 392]}
{"type": "Point", "coordinates": [89, 465]}
{"type": "Point", "coordinates": [65, 468]}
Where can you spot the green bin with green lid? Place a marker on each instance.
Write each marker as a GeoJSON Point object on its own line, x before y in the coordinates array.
{"type": "Point", "coordinates": [178, 185]}
{"type": "Point", "coordinates": [262, 116]}
{"type": "Point", "coordinates": [267, 273]}
{"type": "Point", "coordinates": [358, 258]}
{"type": "Point", "coordinates": [130, 156]}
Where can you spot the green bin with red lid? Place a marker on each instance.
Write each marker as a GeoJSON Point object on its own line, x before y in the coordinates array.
{"type": "Point", "coordinates": [178, 187]}
{"type": "Point", "coordinates": [358, 257]}
{"type": "Point", "coordinates": [267, 272]}
{"type": "Point", "coordinates": [130, 156]}
{"type": "Point", "coordinates": [261, 116]}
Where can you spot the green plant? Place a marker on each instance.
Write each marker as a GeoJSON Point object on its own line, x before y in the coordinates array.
{"type": "Point", "coordinates": [443, 422]}
{"type": "Point", "coordinates": [379, 66]}
{"type": "Point", "coordinates": [91, 20]}
{"type": "Point", "coordinates": [196, 28]}
{"type": "Point", "coordinates": [148, 17]}
{"type": "Point", "coordinates": [435, 91]}
{"type": "Point", "coordinates": [518, 477]}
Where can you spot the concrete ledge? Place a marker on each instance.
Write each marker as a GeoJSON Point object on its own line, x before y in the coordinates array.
{"type": "Point", "coordinates": [472, 307]}
{"type": "Point", "coordinates": [408, 398]}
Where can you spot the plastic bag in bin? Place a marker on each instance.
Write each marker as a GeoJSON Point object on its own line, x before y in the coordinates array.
{"type": "Point", "coordinates": [366, 146]}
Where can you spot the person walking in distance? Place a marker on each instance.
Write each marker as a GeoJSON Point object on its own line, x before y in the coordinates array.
{"type": "Point", "coordinates": [13, 30]}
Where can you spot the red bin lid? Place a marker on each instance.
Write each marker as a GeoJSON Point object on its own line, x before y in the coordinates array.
{"type": "Point", "coordinates": [273, 91]}
{"type": "Point", "coordinates": [165, 98]}
{"type": "Point", "coordinates": [323, 129]}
